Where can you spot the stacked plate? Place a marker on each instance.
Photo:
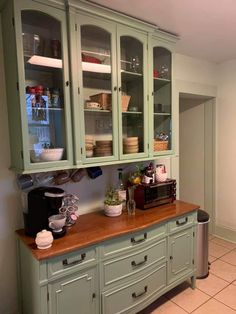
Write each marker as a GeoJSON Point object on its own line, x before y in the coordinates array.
{"type": "Point", "coordinates": [130, 145]}
{"type": "Point", "coordinates": [103, 148]}
{"type": "Point", "coordinates": [89, 145]}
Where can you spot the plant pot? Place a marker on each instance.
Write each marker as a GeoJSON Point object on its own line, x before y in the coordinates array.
{"type": "Point", "coordinates": [113, 210]}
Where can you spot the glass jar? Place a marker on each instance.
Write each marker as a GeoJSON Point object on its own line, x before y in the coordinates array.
{"type": "Point", "coordinates": [131, 205]}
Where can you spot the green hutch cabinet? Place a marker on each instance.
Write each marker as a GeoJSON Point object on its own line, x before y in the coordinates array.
{"type": "Point", "coordinates": [85, 86]}
{"type": "Point", "coordinates": [37, 81]}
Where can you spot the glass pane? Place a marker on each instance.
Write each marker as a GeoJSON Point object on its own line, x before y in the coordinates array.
{"type": "Point", "coordinates": [96, 65]}
{"type": "Point", "coordinates": [132, 95]}
{"type": "Point", "coordinates": [44, 95]}
{"type": "Point", "coordinates": [162, 98]}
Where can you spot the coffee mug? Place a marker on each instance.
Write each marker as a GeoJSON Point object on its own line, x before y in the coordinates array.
{"type": "Point", "coordinates": [57, 222]}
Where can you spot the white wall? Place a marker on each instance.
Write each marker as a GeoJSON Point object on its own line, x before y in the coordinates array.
{"type": "Point", "coordinates": [191, 150]}
{"type": "Point", "coordinates": [226, 148]}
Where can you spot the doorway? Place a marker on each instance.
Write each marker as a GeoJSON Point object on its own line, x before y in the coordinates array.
{"type": "Point", "coordinates": [196, 151]}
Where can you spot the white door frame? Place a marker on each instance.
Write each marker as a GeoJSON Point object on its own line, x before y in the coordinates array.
{"type": "Point", "coordinates": [210, 147]}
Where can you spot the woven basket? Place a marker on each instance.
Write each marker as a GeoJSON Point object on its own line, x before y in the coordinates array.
{"type": "Point", "coordinates": [160, 145]}
{"type": "Point", "coordinates": [125, 99]}
{"type": "Point", "coordinates": [104, 99]}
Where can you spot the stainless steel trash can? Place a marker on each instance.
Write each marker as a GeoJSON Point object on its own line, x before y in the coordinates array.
{"type": "Point", "coordinates": [202, 244]}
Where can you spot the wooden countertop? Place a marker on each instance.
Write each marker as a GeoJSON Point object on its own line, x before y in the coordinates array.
{"type": "Point", "coordinates": [95, 227]}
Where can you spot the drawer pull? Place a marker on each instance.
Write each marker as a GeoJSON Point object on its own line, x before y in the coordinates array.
{"type": "Point", "coordinates": [182, 223]}
{"type": "Point", "coordinates": [133, 263]}
{"type": "Point", "coordinates": [66, 264]}
{"type": "Point", "coordinates": [133, 241]}
{"type": "Point", "coordinates": [135, 295]}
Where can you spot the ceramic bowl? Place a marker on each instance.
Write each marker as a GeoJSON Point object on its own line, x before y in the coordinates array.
{"type": "Point", "coordinates": [51, 154]}
{"type": "Point", "coordinates": [113, 211]}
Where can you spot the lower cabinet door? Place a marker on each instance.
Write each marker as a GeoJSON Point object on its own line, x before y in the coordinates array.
{"type": "Point", "coordinates": [126, 297]}
{"type": "Point", "coordinates": [75, 294]}
{"type": "Point", "coordinates": [180, 254]}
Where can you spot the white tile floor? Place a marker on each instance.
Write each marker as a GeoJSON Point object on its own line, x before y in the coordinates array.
{"type": "Point", "coordinates": [214, 295]}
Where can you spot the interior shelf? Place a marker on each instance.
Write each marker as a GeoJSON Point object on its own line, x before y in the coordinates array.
{"type": "Point", "coordinates": [97, 110]}
{"type": "Point", "coordinates": [162, 114]}
{"type": "Point", "coordinates": [132, 112]}
{"type": "Point", "coordinates": [160, 82]}
{"type": "Point", "coordinates": [130, 76]}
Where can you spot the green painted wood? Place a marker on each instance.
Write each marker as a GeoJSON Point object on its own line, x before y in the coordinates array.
{"type": "Point", "coordinates": [182, 222]}
{"type": "Point", "coordinates": [125, 266]}
{"type": "Point", "coordinates": [17, 115]}
{"type": "Point", "coordinates": [137, 240]}
{"type": "Point", "coordinates": [180, 254]}
{"type": "Point", "coordinates": [75, 294]}
{"type": "Point", "coordinates": [167, 43]}
{"type": "Point", "coordinates": [33, 283]}
{"type": "Point", "coordinates": [134, 293]}
{"type": "Point", "coordinates": [70, 263]}
{"type": "Point", "coordinates": [141, 37]}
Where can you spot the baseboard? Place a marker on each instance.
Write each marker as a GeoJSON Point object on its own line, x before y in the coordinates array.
{"type": "Point", "coordinates": [225, 233]}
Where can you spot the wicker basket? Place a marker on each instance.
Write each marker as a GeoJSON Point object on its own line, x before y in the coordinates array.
{"type": "Point", "coordinates": [160, 145]}
{"type": "Point", "coordinates": [125, 99]}
{"type": "Point", "coordinates": [104, 99]}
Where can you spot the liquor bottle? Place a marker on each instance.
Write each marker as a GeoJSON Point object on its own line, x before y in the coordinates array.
{"type": "Point", "coordinates": [121, 189]}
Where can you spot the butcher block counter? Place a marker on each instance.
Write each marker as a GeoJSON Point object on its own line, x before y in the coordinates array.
{"type": "Point", "coordinates": [95, 227]}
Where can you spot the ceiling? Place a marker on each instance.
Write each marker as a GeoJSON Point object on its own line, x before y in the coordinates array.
{"type": "Point", "coordinates": [206, 27]}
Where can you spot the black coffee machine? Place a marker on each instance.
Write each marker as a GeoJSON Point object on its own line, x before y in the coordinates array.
{"type": "Point", "coordinates": [43, 202]}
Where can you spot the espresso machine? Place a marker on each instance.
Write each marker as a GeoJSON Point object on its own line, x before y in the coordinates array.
{"type": "Point", "coordinates": [43, 202]}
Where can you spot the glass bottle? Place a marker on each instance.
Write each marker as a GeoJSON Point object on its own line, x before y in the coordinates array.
{"type": "Point", "coordinates": [121, 189]}
{"type": "Point", "coordinates": [131, 205]}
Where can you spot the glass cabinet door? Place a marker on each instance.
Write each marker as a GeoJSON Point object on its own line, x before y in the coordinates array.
{"type": "Point", "coordinates": [162, 115]}
{"type": "Point", "coordinates": [45, 98]}
{"type": "Point", "coordinates": [132, 89]}
{"type": "Point", "coordinates": [98, 104]}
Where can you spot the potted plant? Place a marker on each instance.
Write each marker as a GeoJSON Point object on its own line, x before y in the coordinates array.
{"type": "Point", "coordinates": [112, 204]}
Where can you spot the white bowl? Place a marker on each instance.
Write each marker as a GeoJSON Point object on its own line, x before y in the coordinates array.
{"type": "Point", "coordinates": [51, 154]}
{"type": "Point", "coordinates": [48, 154]}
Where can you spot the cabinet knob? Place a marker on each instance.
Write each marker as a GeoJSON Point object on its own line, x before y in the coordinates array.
{"type": "Point", "coordinates": [171, 257]}
{"type": "Point", "coordinates": [119, 89]}
{"type": "Point", "coordinates": [115, 88]}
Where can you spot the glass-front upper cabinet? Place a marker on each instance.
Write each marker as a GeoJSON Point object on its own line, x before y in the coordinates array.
{"type": "Point", "coordinates": [133, 93]}
{"type": "Point", "coordinates": [44, 87]}
{"type": "Point", "coordinates": [98, 93]}
{"type": "Point", "coordinates": [161, 84]}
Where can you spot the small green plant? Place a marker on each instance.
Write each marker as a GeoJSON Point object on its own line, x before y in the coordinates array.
{"type": "Point", "coordinates": [112, 197]}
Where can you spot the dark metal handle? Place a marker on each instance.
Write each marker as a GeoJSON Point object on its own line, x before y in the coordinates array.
{"type": "Point", "coordinates": [67, 83]}
{"type": "Point", "coordinates": [133, 263]}
{"type": "Point", "coordinates": [119, 89]}
{"type": "Point", "coordinates": [135, 295]}
{"type": "Point", "coordinates": [115, 88]}
{"type": "Point", "coordinates": [133, 241]}
{"type": "Point", "coordinates": [171, 257]}
{"type": "Point", "coordinates": [182, 223]}
{"type": "Point", "coordinates": [66, 264]}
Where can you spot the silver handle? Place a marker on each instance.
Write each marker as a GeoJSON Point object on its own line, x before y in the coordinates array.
{"type": "Point", "coordinates": [133, 263]}
{"type": "Point", "coordinates": [182, 223]}
{"type": "Point", "coordinates": [135, 295]}
{"type": "Point", "coordinates": [66, 264]}
{"type": "Point", "coordinates": [133, 241]}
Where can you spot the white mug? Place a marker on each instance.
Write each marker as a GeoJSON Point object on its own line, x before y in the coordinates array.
{"type": "Point", "coordinates": [57, 222]}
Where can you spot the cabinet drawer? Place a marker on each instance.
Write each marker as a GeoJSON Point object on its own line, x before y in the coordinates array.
{"type": "Point", "coordinates": [70, 262]}
{"type": "Point", "coordinates": [182, 222]}
{"type": "Point", "coordinates": [128, 296]}
{"type": "Point", "coordinates": [122, 267]}
{"type": "Point", "coordinates": [134, 240]}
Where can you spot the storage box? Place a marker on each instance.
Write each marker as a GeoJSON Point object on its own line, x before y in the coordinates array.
{"type": "Point", "coordinates": [104, 99]}
{"type": "Point", "coordinates": [160, 145]}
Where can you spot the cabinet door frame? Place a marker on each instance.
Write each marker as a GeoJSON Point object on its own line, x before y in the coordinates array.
{"type": "Point", "coordinates": [156, 42]}
{"type": "Point", "coordinates": [143, 38]}
{"type": "Point", "coordinates": [59, 15]}
{"type": "Point", "coordinates": [188, 251]}
{"type": "Point", "coordinates": [55, 288]}
{"type": "Point", "coordinates": [83, 19]}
